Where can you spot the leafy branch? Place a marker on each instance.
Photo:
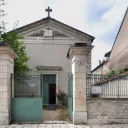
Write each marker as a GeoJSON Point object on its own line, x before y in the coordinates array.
{"type": "Point", "coordinates": [117, 72]}
{"type": "Point", "coordinates": [15, 40]}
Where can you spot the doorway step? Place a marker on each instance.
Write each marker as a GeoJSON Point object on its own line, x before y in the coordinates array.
{"type": "Point", "coordinates": [51, 107]}
{"type": "Point", "coordinates": [55, 122]}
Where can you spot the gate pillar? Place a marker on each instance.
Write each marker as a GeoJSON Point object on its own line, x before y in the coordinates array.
{"type": "Point", "coordinates": [7, 56]}
{"type": "Point", "coordinates": [78, 54]}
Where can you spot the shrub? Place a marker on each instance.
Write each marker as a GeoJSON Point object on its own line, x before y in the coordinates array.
{"type": "Point", "coordinates": [60, 95]}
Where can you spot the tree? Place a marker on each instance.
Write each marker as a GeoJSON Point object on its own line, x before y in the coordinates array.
{"type": "Point", "coordinates": [2, 14]}
{"type": "Point", "coordinates": [15, 40]}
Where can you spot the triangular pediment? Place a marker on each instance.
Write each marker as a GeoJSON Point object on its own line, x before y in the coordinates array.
{"type": "Point", "coordinates": [48, 32]}
{"type": "Point", "coordinates": [52, 28]}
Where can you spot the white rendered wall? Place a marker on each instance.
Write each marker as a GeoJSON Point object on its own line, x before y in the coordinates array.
{"type": "Point", "coordinates": [52, 55]}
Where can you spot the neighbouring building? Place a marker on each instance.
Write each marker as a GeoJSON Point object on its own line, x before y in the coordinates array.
{"type": "Point", "coordinates": [118, 56]}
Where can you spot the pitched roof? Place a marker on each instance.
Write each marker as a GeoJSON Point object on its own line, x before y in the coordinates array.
{"type": "Point", "coordinates": [109, 53]}
{"type": "Point", "coordinates": [48, 19]}
{"type": "Point", "coordinates": [100, 65]}
{"type": "Point", "coordinates": [119, 29]}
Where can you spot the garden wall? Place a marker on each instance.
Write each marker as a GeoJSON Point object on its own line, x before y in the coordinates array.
{"type": "Point", "coordinates": [117, 88]}
{"type": "Point", "coordinates": [107, 111]}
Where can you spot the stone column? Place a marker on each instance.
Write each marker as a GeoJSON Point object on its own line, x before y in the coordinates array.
{"type": "Point", "coordinates": [7, 56]}
{"type": "Point", "coordinates": [79, 54]}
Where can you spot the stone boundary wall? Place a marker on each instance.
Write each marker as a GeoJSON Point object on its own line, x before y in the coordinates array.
{"type": "Point", "coordinates": [107, 111]}
{"type": "Point", "coordinates": [7, 56]}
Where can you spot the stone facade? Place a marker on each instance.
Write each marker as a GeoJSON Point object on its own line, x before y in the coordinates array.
{"type": "Point", "coordinates": [118, 56]}
{"type": "Point", "coordinates": [88, 63]}
{"type": "Point", "coordinates": [6, 68]}
{"type": "Point", "coordinates": [103, 69]}
{"type": "Point", "coordinates": [80, 65]}
{"type": "Point", "coordinates": [107, 111]}
{"type": "Point", "coordinates": [52, 48]}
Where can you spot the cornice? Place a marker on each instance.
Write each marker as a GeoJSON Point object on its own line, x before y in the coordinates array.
{"type": "Point", "coordinates": [8, 50]}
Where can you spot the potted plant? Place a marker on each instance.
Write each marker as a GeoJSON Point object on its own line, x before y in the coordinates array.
{"type": "Point", "coordinates": [60, 95]}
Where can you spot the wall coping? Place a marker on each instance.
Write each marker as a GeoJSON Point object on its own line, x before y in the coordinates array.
{"type": "Point", "coordinates": [8, 50]}
{"type": "Point", "coordinates": [78, 50]}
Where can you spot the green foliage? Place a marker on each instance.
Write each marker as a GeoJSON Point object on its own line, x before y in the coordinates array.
{"type": "Point", "coordinates": [117, 72]}
{"type": "Point", "coordinates": [63, 115]}
{"type": "Point", "coordinates": [2, 14]}
{"type": "Point", "coordinates": [15, 41]}
{"type": "Point", "coordinates": [126, 68]}
{"type": "Point", "coordinates": [20, 63]}
{"type": "Point", "coordinates": [61, 95]}
{"type": "Point", "coordinates": [111, 74]}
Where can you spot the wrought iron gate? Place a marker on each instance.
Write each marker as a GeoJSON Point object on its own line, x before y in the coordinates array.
{"type": "Point", "coordinates": [26, 98]}
{"type": "Point", "coordinates": [70, 95]}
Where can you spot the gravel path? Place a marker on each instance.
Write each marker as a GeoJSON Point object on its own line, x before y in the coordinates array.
{"type": "Point", "coordinates": [49, 115]}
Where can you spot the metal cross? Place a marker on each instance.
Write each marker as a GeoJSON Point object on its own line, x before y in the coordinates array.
{"type": "Point", "coordinates": [48, 10]}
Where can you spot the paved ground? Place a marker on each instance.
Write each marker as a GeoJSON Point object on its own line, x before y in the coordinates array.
{"type": "Point", "coordinates": [63, 126]}
{"type": "Point", "coordinates": [51, 115]}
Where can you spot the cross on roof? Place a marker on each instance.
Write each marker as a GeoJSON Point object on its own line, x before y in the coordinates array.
{"type": "Point", "coordinates": [48, 10]}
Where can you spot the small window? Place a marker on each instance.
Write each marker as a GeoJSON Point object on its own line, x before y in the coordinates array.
{"type": "Point", "coordinates": [48, 33]}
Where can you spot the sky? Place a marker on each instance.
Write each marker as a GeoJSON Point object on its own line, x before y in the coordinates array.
{"type": "Point", "coordinates": [100, 18]}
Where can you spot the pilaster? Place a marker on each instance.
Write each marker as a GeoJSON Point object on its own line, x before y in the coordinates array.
{"type": "Point", "coordinates": [6, 68]}
{"type": "Point", "coordinates": [79, 55]}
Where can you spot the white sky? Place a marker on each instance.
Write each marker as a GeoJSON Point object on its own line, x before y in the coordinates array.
{"type": "Point", "coordinates": [100, 18]}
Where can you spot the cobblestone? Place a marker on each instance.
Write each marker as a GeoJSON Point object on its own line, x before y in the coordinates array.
{"type": "Point", "coordinates": [63, 126]}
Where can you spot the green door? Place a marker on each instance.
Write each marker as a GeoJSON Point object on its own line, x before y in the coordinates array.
{"type": "Point", "coordinates": [47, 79]}
{"type": "Point", "coordinates": [45, 93]}
{"type": "Point", "coordinates": [70, 95]}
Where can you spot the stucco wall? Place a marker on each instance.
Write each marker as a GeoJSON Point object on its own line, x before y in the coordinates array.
{"type": "Point", "coordinates": [118, 57]}
{"type": "Point", "coordinates": [103, 111]}
{"type": "Point", "coordinates": [53, 55]}
{"type": "Point", "coordinates": [120, 60]}
{"type": "Point", "coordinates": [103, 69]}
{"type": "Point", "coordinates": [119, 52]}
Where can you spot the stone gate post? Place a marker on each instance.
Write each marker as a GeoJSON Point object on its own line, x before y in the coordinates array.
{"type": "Point", "coordinates": [78, 53]}
{"type": "Point", "coordinates": [7, 56]}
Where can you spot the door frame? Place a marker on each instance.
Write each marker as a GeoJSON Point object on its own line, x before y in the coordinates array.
{"type": "Point", "coordinates": [57, 83]}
